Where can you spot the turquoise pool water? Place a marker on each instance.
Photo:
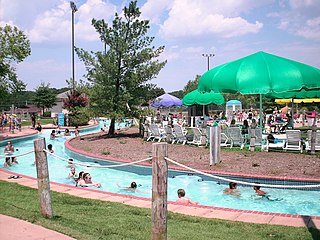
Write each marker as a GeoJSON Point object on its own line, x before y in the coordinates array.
{"type": "Point", "coordinates": [206, 192]}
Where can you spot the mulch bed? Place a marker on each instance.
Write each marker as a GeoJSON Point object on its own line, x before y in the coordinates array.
{"type": "Point", "coordinates": [128, 145]}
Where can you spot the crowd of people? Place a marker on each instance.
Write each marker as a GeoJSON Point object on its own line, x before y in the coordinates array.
{"type": "Point", "coordinates": [11, 121]}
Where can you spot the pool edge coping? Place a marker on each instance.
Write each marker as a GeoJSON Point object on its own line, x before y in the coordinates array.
{"type": "Point", "coordinates": [293, 220]}
{"type": "Point", "coordinates": [282, 178]}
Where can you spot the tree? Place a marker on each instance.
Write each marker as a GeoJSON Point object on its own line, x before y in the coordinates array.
{"type": "Point", "coordinates": [44, 96]}
{"type": "Point", "coordinates": [119, 75]}
{"type": "Point", "coordinates": [191, 85]}
{"type": "Point", "coordinates": [15, 47]}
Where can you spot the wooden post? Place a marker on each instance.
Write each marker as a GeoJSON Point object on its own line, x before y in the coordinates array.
{"type": "Point", "coordinates": [313, 136]}
{"type": "Point", "coordinates": [43, 178]}
{"type": "Point", "coordinates": [145, 131]}
{"type": "Point", "coordinates": [159, 191]}
{"type": "Point", "coordinates": [252, 139]}
{"type": "Point", "coordinates": [215, 141]}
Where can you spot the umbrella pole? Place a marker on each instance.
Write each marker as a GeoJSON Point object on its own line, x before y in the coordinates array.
{"type": "Point", "coordinates": [292, 113]}
{"type": "Point", "coordinates": [203, 110]}
{"type": "Point", "coordinates": [260, 112]}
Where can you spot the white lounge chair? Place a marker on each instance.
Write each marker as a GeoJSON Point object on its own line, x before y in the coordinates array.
{"type": "Point", "coordinates": [169, 133]}
{"type": "Point", "coordinates": [257, 134]}
{"type": "Point", "coordinates": [293, 141]}
{"type": "Point", "coordinates": [226, 140]}
{"type": "Point", "coordinates": [236, 136]}
{"type": "Point", "coordinates": [317, 142]}
{"type": "Point", "coordinates": [198, 138]}
{"type": "Point", "coordinates": [179, 134]}
{"type": "Point", "coordinates": [156, 133]}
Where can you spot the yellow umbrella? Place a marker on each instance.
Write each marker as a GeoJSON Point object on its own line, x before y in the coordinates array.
{"type": "Point", "coordinates": [305, 100]}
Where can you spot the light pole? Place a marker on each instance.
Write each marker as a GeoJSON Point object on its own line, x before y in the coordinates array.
{"type": "Point", "coordinates": [208, 56]}
{"type": "Point", "coordinates": [73, 10]}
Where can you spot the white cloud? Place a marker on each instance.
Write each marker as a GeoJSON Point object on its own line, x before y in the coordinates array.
{"type": "Point", "coordinates": [153, 9]}
{"type": "Point", "coordinates": [300, 17]}
{"type": "Point", "coordinates": [204, 17]}
{"type": "Point", "coordinates": [54, 25]}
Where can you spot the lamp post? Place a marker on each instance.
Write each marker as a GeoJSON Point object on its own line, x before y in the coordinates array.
{"type": "Point", "coordinates": [73, 10]}
{"type": "Point", "coordinates": [208, 56]}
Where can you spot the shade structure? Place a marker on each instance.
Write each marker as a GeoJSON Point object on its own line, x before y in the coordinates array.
{"type": "Point", "coordinates": [302, 94]}
{"type": "Point", "coordinates": [166, 100]}
{"type": "Point", "coordinates": [260, 73]}
{"type": "Point", "coordinates": [302, 100]}
{"type": "Point", "coordinates": [196, 97]}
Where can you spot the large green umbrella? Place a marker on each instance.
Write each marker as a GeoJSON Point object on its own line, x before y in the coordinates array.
{"type": "Point", "coordinates": [260, 73]}
{"type": "Point", "coordinates": [196, 97]}
{"type": "Point", "coordinates": [296, 94]}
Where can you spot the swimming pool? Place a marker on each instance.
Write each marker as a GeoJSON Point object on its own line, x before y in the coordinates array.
{"type": "Point", "coordinates": [201, 189]}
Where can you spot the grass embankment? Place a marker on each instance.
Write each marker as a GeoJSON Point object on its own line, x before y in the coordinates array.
{"type": "Point", "coordinates": [93, 219]}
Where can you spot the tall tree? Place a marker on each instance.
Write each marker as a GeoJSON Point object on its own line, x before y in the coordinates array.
{"type": "Point", "coordinates": [14, 48]}
{"type": "Point", "coordinates": [191, 85]}
{"type": "Point", "coordinates": [120, 73]}
{"type": "Point", "coordinates": [44, 96]}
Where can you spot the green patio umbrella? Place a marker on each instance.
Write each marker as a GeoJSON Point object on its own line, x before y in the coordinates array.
{"type": "Point", "coordinates": [196, 97]}
{"type": "Point", "coordinates": [260, 73]}
{"type": "Point", "coordinates": [296, 94]}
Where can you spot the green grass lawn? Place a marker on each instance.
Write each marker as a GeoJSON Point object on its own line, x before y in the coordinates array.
{"type": "Point", "coordinates": [43, 121]}
{"type": "Point", "coordinates": [93, 219]}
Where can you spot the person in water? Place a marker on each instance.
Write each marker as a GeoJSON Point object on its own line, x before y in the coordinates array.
{"type": "Point", "coordinates": [132, 188]}
{"type": "Point", "coordinates": [263, 194]}
{"type": "Point", "coordinates": [184, 200]}
{"type": "Point", "coordinates": [87, 181]}
{"type": "Point", "coordinates": [232, 189]}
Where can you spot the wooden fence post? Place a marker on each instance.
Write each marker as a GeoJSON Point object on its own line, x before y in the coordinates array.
{"type": "Point", "coordinates": [159, 191]}
{"type": "Point", "coordinates": [43, 178]}
{"type": "Point", "coordinates": [313, 136]}
{"type": "Point", "coordinates": [215, 141]}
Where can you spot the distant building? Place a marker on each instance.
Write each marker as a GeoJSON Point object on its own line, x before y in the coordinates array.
{"type": "Point", "coordinates": [58, 108]}
{"type": "Point", "coordinates": [26, 111]}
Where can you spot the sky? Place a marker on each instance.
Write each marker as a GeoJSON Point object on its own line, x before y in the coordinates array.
{"type": "Point", "coordinates": [229, 29]}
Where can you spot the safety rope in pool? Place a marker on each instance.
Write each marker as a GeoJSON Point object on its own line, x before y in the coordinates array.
{"type": "Point", "coordinates": [241, 182]}
{"type": "Point", "coordinates": [95, 166]}
{"type": "Point", "coordinates": [19, 155]}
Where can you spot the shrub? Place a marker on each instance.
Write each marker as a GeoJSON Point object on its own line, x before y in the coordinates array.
{"type": "Point", "coordinates": [47, 114]}
{"type": "Point", "coordinates": [79, 117]}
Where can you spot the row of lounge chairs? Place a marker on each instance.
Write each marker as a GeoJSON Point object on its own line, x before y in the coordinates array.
{"type": "Point", "coordinates": [232, 137]}
{"type": "Point", "coordinates": [177, 134]}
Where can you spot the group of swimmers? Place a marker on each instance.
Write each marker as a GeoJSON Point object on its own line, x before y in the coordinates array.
{"type": "Point", "coordinates": [9, 150]}
{"type": "Point", "coordinates": [55, 134]}
{"type": "Point", "coordinates": [83, 179]}
{"type": "Point", "coordinates": [231, 190]}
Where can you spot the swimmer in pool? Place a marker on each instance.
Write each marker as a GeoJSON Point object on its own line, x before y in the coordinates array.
{"type": "Point", "coordinates": [132, 188]}
{"type": "Point", "coordinates": [261, 194]}
{"type": "Point", "coordinates": [87, 182]}
{"type": "Point", "coordinates": [232, 189]}
{"type": "Point", "coordinates": [184, 200]}
{"type": "Point", "coordinates": [73, 174]}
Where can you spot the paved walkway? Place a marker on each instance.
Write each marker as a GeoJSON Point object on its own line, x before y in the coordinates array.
{"type": "Point", "coordinates": [13, 229]}
{"type": "Point", "coordinates": [25, 131]}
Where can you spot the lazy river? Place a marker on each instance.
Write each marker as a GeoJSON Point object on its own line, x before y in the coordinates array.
{"type": "Point", "coordinates": [204, 190]}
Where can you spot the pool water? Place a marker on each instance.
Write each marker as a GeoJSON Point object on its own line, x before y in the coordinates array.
{"type": "Point", "coordinates": [209, 193]}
